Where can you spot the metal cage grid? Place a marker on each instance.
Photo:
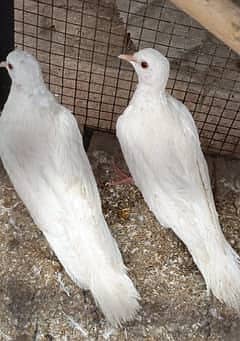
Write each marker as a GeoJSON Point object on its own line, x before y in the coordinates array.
{"type": "Point", "coordinates": [77, 41]}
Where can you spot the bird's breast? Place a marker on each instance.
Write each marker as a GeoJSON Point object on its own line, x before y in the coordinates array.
{"type": "Point", "coordinates": [148, 123]}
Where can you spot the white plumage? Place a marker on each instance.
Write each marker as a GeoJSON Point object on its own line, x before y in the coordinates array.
{"type": "Point", "coordinates": [42, 152]}
{"type": "Point", "coordinates": [161, 146]}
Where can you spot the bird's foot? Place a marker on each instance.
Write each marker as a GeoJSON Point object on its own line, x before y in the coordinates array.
{"type": "Point", "coordinates": [123, 177]}
{"type": "Point", "coordinates": [126, 181]}
{"type": "Point", "coordinates": [84, 292]}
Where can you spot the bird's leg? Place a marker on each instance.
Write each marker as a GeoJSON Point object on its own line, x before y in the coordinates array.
{"type": "Point", "coordinates": [126, 181]}
{"type": "Point", "coordinates": [124, 178]}
{"type": "Point", "coordinates": [121, 174]}
{"type": "Point", "coordinates": [84, 292]}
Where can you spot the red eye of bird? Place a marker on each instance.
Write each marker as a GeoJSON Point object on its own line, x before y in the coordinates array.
{"type": "Point", "coordinates": [10, 66]}
{"type": "Point", "coordinates": [144, 65]}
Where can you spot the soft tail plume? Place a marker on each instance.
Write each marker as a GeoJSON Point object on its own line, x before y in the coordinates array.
{"type": "Point", "coordinates": [223, 276]}
{"type": "Point", "coordinates": [220, 267]}
{"type": "Point", "coordinates": [116, 296]}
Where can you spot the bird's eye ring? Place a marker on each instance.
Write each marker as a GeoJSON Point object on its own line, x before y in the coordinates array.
{"type": "Point", "coordinates": [144, 65]}
{"type": "Point", "coordinates": [10, 66]}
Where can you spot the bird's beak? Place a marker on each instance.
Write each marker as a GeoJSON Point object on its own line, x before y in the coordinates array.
{"type": "Point", "coordinates": [128, 57]}
{"type": "Point", "coordinates": [3, 64]}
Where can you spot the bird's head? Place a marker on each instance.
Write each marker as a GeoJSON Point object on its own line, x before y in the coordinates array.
{"type": "Point", "coordinates": [23, 69]}
{"type": "Point", "coordinates": [151, 66]}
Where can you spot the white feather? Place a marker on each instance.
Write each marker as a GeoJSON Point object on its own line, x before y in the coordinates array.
{"type": "Point", "coordinates": [42, 150]}
{"type": "Point", "coordinates": [161, 146]}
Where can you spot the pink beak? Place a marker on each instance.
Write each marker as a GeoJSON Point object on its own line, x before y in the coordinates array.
{"type": "Point", "coordinates": [128, 57]}
{"type": "Point", "coordinates": [3, 64]}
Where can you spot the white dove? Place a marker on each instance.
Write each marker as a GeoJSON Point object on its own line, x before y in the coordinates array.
{"type": "Point", "coordinates": [42, 151]}
{"type": "Point", "coordinates": [161, 146]}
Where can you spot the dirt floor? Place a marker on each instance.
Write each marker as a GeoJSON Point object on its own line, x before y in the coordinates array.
{"type": "Point", "coordinates": [39, 302]}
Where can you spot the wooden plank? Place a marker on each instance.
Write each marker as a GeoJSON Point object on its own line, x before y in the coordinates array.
{"type": "Point", "coordinates": [220, 17]}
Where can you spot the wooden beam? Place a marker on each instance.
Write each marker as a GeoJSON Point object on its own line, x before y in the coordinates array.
{"type": "Point", "coordinates": [220, 17]}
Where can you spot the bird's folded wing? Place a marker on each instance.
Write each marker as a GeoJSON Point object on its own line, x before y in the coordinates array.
{"type": "Point", "coordinates": [175, 169]}
{"type": "Point", "coordinates": [188, 171]}
{"type": "Point", "coordinates": [70, 177]}
{"type": "Point", "coordinates": [196, 165]}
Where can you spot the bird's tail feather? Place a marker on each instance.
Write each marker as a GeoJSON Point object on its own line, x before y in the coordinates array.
{"type": "Point", "coordinates": [222, 273]}
{"type": "Point", "coordinates": [113, 290]}
{"type": "Point", "coordinates": [116, 295]}
{"type": "Point", "coordinates": [223, 277]}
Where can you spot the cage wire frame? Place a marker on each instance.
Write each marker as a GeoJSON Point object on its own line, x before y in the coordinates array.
{"type": "Point", "coordinates": [77, 43]}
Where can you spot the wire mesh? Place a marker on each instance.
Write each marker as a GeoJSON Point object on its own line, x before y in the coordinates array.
{"type": "Point", "coordinates": [77, 41]}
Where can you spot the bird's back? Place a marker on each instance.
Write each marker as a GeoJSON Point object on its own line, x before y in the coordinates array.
{"type": "Point", "coordinates": [42, 151]}
{"type": "Point", "coordinates": [161, 146]}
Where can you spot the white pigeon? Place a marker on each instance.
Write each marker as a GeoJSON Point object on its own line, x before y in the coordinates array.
{"type": "Point", "coordinates": [161, 146]}
{"type": "Point", "coordinates": [42, 151]}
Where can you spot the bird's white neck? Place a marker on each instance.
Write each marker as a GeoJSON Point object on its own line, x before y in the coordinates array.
{"type": "Point", "coordinates": [29, 90]}
{"type": "Point", "coordinates": [38, 97]}
{"type": "Point", "coordinates": [147, 91]}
